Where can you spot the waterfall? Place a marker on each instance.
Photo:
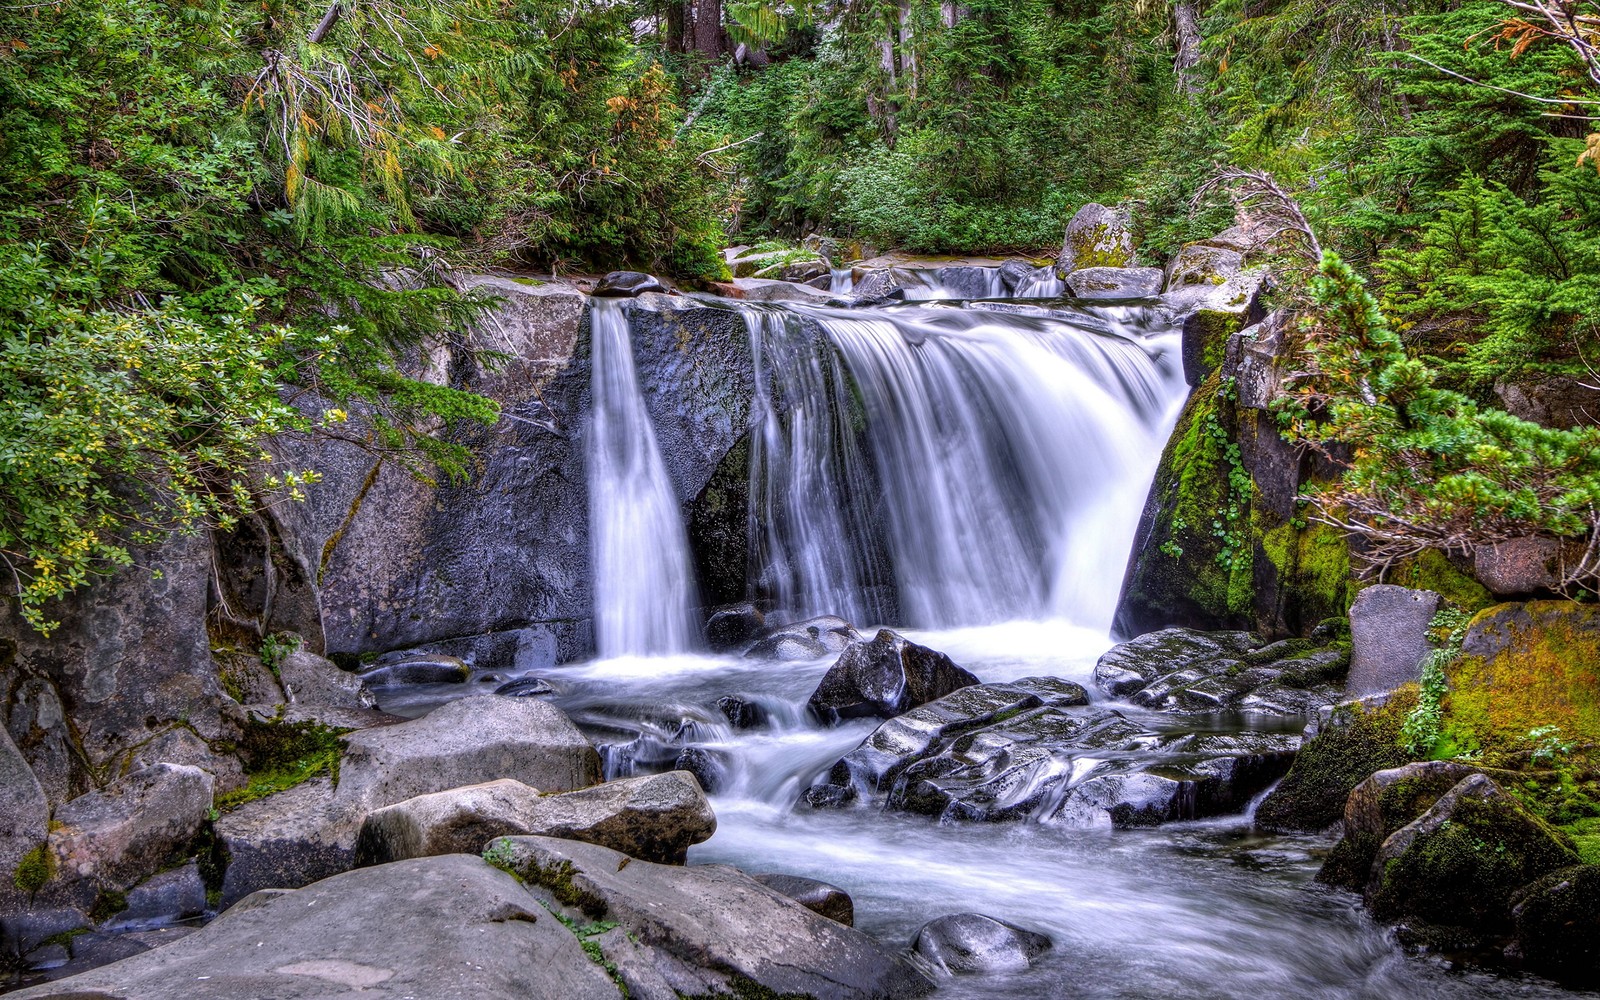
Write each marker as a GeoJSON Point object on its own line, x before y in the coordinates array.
{"type": "Point", "coordinates": [996, 462]}
{"type": "Point", "coordinates": [1041, 284]}
{"type": "Point", "coordinates": [639, 553]}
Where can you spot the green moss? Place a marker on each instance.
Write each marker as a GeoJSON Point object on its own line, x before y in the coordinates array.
{"type": "Point", "coordinates": [279, 755]}
{"type": "Point", "coordinates": [558, 879]}
{"type": "Point", "coordinates": [107, 904]}
{"type": "Point", "coordinates": [1347, 752]}
{"type": "Point", "coordinates": [1098, 247]}
{"type": "Point", "coordinates": [1432, 570]}
{"type": "Point", "coordinates": [36, 868]}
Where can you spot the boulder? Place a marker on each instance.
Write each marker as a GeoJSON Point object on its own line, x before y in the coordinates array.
{"type": "Point", "coordinates": [885, 677]}
{"type": "Point", "coordinates": [1557, 923]}
{"type": "Point", "coordinates": [163, 899]}
{"type": "Point", "coordinates": [115, 837]}
{"type": "Point", "coordinates": [768, 289]}
{"type": "Point", "coordinates": [964, 281]}
{"type": "Point", "coordinates": [1216, 314]}
{"type": "Point", "coordinates": [1460, 863]}
{"type": "Point", "coordinates": [1528, 565]}
{"type": "Point", "coordinates": [743, 713]}
{"type": "Point", "coordinates": [309, 679]}
{"type": "Point", "coordinates": [416, 668]}
{"type": "Point", "coordinates": [704, 930]}
{"type": "Point", "coordinates": [1202, 267]}
{"type": "Point", "coordinates": [1096, 237]}
{"type": "Point", "coordinates": [286, 840]}
{"type": "Point", "coordinates": [972, 942]}
{"type": "Point", "coordinates": [627, 284]}
{"type": "Point", "coordinates": [734, 627]}
{"type": "Point", "coordinates": [811, 639]}
{"type": "Point", "coordinates": [466, 742]}
{"type": "Point", "coordinates": [1115, 282]}
{"type": "Point", "coordinates": [24, 821]}
{"type": "Point", "coordinates": [455, 821]}
{"type": "Point", "coordinates": [1378, 807]}
{"type": "Point", "coordinates": [796, 271]}
{"type": "Point", "coordinates": [709, 767]}
{"type": "Point", "coordinates": [447, 927]}
{"type": "Point", "coordinates": [1358, 739]}
{"type": "Point", "coordinates": [1388, 637]}
{"type": "Point", "coordinates": [819, 897]}
{"type": "Point", "coordinates": [1191, 671]}
{"type": "Point", "coordinates": [1014, 272]}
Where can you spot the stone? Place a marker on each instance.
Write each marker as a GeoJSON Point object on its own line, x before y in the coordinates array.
{"type": "Point", "coordinates": [23, 931]}
{"type": "Point", "coordinates": [1557, 923]}
{"type": "Point", "coordinates": [1550, 400]}
{"type": "Point", "coordinates": [449, 926]}
{"type": "Point", "coordinates": [24, 819]}
{"type": "Point", "coordinates": [1131, 666]}
{"type": "Point", "coordinates": [1388, 637]}
{"type": "Point", "coordinates": [795, 271]}
{"type": "Point", "coordinates": [1014, 272]}
{"type": "Point", "coordinates": [524, 687]}
{"type": "Point", "coordinates": [466, 742]}
{"type": "Point", "coordinates": [1096, 236]}
{"type": "Point", "coordinates": [709, 767]}
{"type": "Point", "coordinates": [287, 840]}
{"type": "Point", "coordinates": [819, 897]}
{"type": "Point", "coordinates": [811, 639]}
{"type": "Point", "coordinates": [626, 284]}
{"type": "Point", "coordinates": [701, 930]}
{"type": "Point", "coordinates": [767, 289]}
{"type": "Point", "coordinates": [885, 677]}
{"type": "Point", "coordinates": [734, 627]}
{"type": "Point", "coordinates": [1522, 566]}
{"type": "Point", "coordinates": [1217, 314]}
{"type": "Point", "coordinates": [1358, 739]}
{"type": "Point", "coordinates": [1461, 862]}
{"type": "Point", "coordinates": [743, 713]}
{"type": "Point", "coordinates": [1379, 806]}
{"type": "Point", "coordinates": [1202, 267]}
{"type": "Point", "coordinates": [1192, 671]}
{"type": "Point", "coordinates": [118, 835]}
{"type": "Point", "coordinates": [972, 942]}
{"type": "Point", "coordinates": [416, 669]}
{"type": "Point", "coordinates": [455, 821]}
{"type": "Point", "coordinates": [1115, 282]}
{"type": "Point", "coordinates": [964, 281]}
{"type": "Point", "coordinates": [166, 898]}
{"type": "Point", "coordinates": [309, 679]}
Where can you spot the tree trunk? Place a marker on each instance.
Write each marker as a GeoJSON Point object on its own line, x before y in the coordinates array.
{"type": "Point", "coordinates": [1186, 25]}
{"type": "Point", "coordinates": [709, 39]}
{"type": "Point", "coordinates": [677, 29]}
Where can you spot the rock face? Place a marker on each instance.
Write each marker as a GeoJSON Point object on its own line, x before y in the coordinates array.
{"type": "Point", "coordinates": [705, 930]}
{"type": "Point", "coordinates": [819, 897]}
{"type": "Point", "coordinates": [655, 818]}
{"type": "Point", "coordinates": [112, 837]}
{"type": "Point", "coordinates": [1186, 670]}
{"type": "Point", "coordinates": [1388, 637]}
{"type": "Point", "coordinates": [1097, 236]}
{"type": "Point", "coordinates": [1461, 862]}
{"type": "Point", "coordinates": [1115, 282]}
{"type": "Point", "coordinates": [883, 678]}
{"type": "Point", "coordinates": [24, 818]}
{"type": "Point", "coordinates": [972, 942]}
{"type": "Point", "coordinates": [448, 927]}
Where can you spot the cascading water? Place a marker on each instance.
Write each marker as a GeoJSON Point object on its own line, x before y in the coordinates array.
{"type": "Point", "coordinates": [1041, 284]}
{"type": "Point", "coordinates": [1000, 457]}
{"type": "Point", "coordinates": [643, 583]}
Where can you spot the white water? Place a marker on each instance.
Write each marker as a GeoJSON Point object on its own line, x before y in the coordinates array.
{"type": "Point", "coordinates": [643, 581]}
{"type": "Point", "coordinates": [990, 465]}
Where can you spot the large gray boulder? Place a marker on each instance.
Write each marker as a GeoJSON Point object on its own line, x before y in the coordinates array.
{"type": "Point", "coordinates": [309, 679]}
{"type": "Point", "coordinates": [434, 927]}
{"type": "Point", "coordinates": [1115, 282]}
{"type": "Point", "coordinates": [1388, 637]}
{"type": "Point", "coordinates": [295, 837]}
{"type": "Point", "coordinates": [704, 930]}
{"type": "Point", "coordinates": [467, 742]}
{"type": "Point", "coordinates": [24, 818]}
{"type": "Point", "coordinates": [972, 942]}
{"type": "Point", "coordinates": [114, 837]}
{"type": "Point", "coordinates": [1097, 236]}
{"type": "Point", "coordinates": [885, 677]}
{"type": "Point", "coordinates": [653, 817]}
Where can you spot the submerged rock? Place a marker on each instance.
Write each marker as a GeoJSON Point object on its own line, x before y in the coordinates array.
{"type": "Point", "coordinates": [811, 639]}
{"type": "Point", "coordinates": [524, 687]}
{"type": "Point", "coordinates": [885, 677]}
{"type": "Point", "coordinates": [704, 930]}
{"type": "Point", "coordinates": [819, 897]}
{"type": "Point", "coordinates": [741, 712]}
{"type": "Point", "coordinates": [972, 942]}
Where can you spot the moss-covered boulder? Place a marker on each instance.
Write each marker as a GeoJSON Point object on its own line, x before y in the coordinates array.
{"type": "Point", "coordinates": [1381, 805]}
{"type": "Point", "coordinates": [1462, 862]}
{"type": "Point", "coordinates": [1097, 236]}
{"type": "Point", "coordinates": [1558, 925]}
{"type": "Point", "coordinates": [1357, 740]}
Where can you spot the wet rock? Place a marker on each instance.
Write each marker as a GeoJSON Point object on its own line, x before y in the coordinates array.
{"type": "Point", "coordinates": [967, 282]}
{"type": "Point", "coordinates": [1378, 807]}
{"type": "Point", "coordinates": [1192, 671]}
{"type": "Point", "coordinates": [1461, 862]}
{"type": "Point", "coordinates": [1357, 740]}
{"type": "Point", "coordinates": [885, 677]}
{"type": "Point", "coordinates": [171, 896]}
{"type": "Point", "coordinates": [819, 897]}
{"type": "Point", "coordinates": [1115, 282]}
{"type": "Point", "coordinates": [734, 627]}
{"type": "Point", "coordinates": [309, 679]}
{"type": "Point", "coordinates": [877, 283]}
{"type": "Point", "coordinates": [1096, 237]}
{"type": "Point", "coordinates": [626, 284]}
{"type": "Point", "coordinates": [1388, 637]}
{"type": "Point", "coordinates": [742, 713]}
{"type": "Point", "coordinates": [1557, 923]}
{"type": "Point", "coordinates": [972, 942]}
{"type": "Point", "coordinates": [1129, 667]}
{"type": "Point", "coordinates": [456, 821]}
{"type": "Point", "coordinates": [811, 639]}
{"type": "Point", "coordinates": [1014, 272]}
{"type": "Point", "coordinates": [422, 669]}
{"type": "Point", "coordinates": [524, 687]}
{"type": "Point", "coordinates": [24, 819]}
{"type": "Point", "coordinates": [115, 837]}
{"type": "Point", "coordinates": [449, 926]}
{"type": "Point", "coordinates": [466, 742]}
{"type": "Point", "coordinates": [703, 930]}
{"type": "Point", "coordinates": [709, 767]}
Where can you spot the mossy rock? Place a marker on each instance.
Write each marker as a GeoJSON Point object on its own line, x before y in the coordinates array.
{"type": "Point", "coordinates": [1358, 741]}
{"type": "Point", "coordinates": [1433, 570]}
{"type": "Point", "coordinates": [1384, 803]}
{"type": "Point", "coordinates": [1461, 863]}
{"type": "Point", "coordinates": [1558, 925]}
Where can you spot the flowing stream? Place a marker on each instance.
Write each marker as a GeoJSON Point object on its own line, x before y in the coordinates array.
{"type": "Point", "coordinates": [973, 477]}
